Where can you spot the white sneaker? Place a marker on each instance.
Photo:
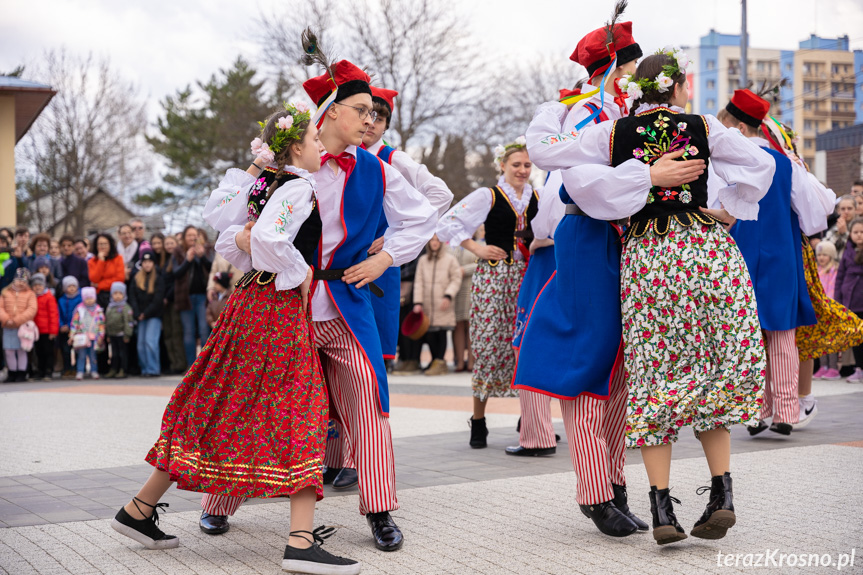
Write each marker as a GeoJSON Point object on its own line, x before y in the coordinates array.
{"type": "Point", "coordinates": [808, 409]}
{"type": "Point", "coordinates": [856, 377]}
{"type": "Point", "coordinates": [94, 375]}
{"type": "Point", "coordinates": [79, 376]}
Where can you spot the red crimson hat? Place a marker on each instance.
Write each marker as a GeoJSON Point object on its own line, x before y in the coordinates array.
{"type": "Point", "coordinates": [415, 325]}
{"type": "Point", "coordinates": [385, 96]}
{"type": "Point", "coordinates": [748, 107]}
{"type": "Point", "coordinates": [349, 79]}
{"type": "Point", "coordinates": [595, 52]}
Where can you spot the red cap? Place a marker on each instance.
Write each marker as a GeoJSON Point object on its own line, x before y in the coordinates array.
{"type": "Point", "coordinates": [415, 325]}
{"type": "Point", "coordinates": [385, 95]}
{"type": "Point", "coordinates": [748, 107]}
{"type": "Point", "coordinates": [320, 87]}
{"type": "Point", "coordinates": [595, 53]}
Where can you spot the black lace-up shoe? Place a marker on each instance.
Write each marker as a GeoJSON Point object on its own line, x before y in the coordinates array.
{"type": "Point", "coordinates": [719, 516]}
{"type": "Point", "coordinates": [144, 531]}
{"type": "Point", "coordinates": [346, 479]}
{"type": "Point", "coordinates": [609, 519]}
{"type": "Point", "coordinates": [666, 529]}
{"type": "Point", "coordinates": [214, 524]}
{"type": "Point", "coordinates": [388, 536]}
{"type": "Point", "coordinates": [314, 560]}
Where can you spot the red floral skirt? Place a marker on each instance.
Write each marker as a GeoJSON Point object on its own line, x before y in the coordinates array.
{"type": "Point", "coordinates": [250, 417]}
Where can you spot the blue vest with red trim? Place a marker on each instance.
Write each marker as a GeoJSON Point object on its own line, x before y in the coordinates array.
{"type": "Point", "coordinates": [387, 307]}
{"type": "Point", "coordinates": [362, 204]}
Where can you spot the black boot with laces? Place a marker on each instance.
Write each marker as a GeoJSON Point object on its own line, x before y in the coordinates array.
{"type": "Point", "coordinates": [719, 516]}
{"type": "Point", "coordinates": [313, 559]}
{"type": "Point", "coordinates": [666, 529]}
{"type": "Point", "coordinates": [144, 531]}
{"type": "Point", "coordinates": [478, 433]}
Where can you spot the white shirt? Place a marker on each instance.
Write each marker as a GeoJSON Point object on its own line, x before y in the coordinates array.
{"type": "Point", "coordinates": [128, 252]}
{"type": "Point", "coordinates": [272, 236]}
{"type": "Point", "coordinates": [462, 220]}
{"type": "Point", "coordinates": [610, 193]}
{"type": "Point", "coordinates": [551, 208]}
{"type": "Point", "coordinates": [410, 216]}
{"type": "Point", "coordinates": [433, 188]}
{"type": "Point", "coordinates": [810, 200]}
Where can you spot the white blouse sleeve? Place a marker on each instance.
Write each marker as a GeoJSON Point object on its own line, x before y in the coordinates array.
{"type": "Point", "coordinates": [810, 200]}
{"type": "Point", "coordinates": [462, 220]}
{"type": "Point", "coordinates": [746, 169]}
{"type": "Point", "coordinates": [551, 208]}
{"type": "Point", "coordinates": [410, 217]}
{"type": "Point", "coordinates": [602, 191]}
{"type": "Point", "coordinates": [273, 234]}
{"type": "Point", "coordinates": [227, 204]}
{"type": "Point", "coordinates": [226, 246]}
{"type": "Point", "coordinates": [432, 188]}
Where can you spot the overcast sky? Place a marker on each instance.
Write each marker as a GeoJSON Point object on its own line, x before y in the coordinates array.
{"type": "Point", "coordinates": [162, 45]}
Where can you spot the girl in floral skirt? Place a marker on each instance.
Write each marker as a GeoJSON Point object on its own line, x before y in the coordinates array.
{"type": "Point", "coordinates": [249, 419]}
{"type": "Point", "coordinates": [693, 350]}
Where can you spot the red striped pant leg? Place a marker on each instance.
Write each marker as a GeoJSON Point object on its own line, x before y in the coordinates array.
{"type": "Point", "coordinates": [614, 424]}
{"type": "Point", "coordinates": [353, 388]}
{"type": "Point", "coordinates": [784, 371]}
{"type": "Point", "coordinates": [537, 431]}
{"type": "Point", "coordinates": [338, 453]}
{"type": "Point", "coordinates": [583, 421]}
{"type": "Point", "coordinates": [221, 504]}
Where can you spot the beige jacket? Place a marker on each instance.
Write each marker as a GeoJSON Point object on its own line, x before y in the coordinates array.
{"type": "Point", "coordinates": [19, 306]}
{"type": "Point", "coordinates": [438, 275]}
{"type": "Point", "coordinates": [220, 264]}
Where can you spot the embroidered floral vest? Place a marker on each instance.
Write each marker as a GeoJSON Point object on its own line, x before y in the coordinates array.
{"type": "Point", "coordinates": [503, 224]}
{"type": "Point", "coordinates": [647, 137]}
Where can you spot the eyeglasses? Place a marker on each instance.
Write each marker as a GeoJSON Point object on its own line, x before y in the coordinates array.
{"type": "Point", "coordinates": [362, 111]}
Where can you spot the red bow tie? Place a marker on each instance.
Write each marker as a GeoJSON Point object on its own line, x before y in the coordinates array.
{"type": "Point", "coordinates": [344, 161]}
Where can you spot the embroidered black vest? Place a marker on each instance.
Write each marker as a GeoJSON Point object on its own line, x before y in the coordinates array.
{"type": "Point", "coordinates": [647, 137]}
{"type": "Point", "coordinates": [308, 235]}
{"type": "Point", "coordinates": [503, 224]}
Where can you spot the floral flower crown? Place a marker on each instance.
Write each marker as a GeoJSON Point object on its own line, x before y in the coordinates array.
{"type": "Point", "coordinates": [288, 129]}
{"type": "Point", "coordinates": [500, 151]}
{"type": "Point", "coordinates": [635, 89]}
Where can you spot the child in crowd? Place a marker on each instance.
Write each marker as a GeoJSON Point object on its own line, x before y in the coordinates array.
{"type": "Point", "coordinates": [87, 333]}
{"type": "Point", "coordinates": [66, 304]}
{"type": "Point", "coordinates": [437, 281]}
{"type": "Point", "coordinates": [147, 298]}
{"type": "Point", "coordinates": [224, 288]}
{"type": "Point", "coordinates": [849, 285]}
{"type": "Point", "coordinates": [17, 307]}
{"type": "Point", "coordinates": [43, 266]}
{"type": "Point", "coordinates": [119, 326]}
{"type": "Point", "coordinates": [48, 322]}
{"type": "Point", "coordinates": [827, 269]}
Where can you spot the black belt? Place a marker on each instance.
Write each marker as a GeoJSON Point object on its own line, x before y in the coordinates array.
{"type": "Point", "coordinates": [337, 274]}
{"type": "Point", "coordinates": [574, 210]}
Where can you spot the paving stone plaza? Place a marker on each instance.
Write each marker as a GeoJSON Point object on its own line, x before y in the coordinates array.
{"type": "Point", "coordinates": [72, 453]}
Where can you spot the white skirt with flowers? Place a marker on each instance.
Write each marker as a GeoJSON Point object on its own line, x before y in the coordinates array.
{"type": "Point", "coordinates": [694, 355]}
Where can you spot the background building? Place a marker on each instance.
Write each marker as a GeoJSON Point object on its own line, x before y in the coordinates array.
{"type": "Point", "coordinates": [824, 89]}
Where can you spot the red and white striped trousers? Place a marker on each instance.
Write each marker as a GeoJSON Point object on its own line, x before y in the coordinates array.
{"type": "Point", "coordinates": [367, 439]}
{"type": "Point", "coordinates": [221, 504]}
{"type": "Point", "coordinates": [594, 430]}
{"type": "Point", "coordinates": [783, 377]}
{"type": "Point", "coordinates": [537, 431]}
{"type": "Point", "coordinates": [338, 452]}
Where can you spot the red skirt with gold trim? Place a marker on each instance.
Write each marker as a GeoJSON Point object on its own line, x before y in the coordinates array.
{"type": "Point", "coordinates": [250, 417]}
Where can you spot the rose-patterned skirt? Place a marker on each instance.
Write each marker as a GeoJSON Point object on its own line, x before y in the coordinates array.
{"type": "Point", "coordinates": [838, 328]}
{"type": "Point", "coordinates": [249, 418]}
{"type": "Point", "coordinates": [693, 349]}
{"type": "Point", "coordinates": [494, 297]}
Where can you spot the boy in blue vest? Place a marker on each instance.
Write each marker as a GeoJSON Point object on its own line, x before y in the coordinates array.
{"type": "Point", "coordinates": [340, 469]}
{"type": "Point", "coordinates": [772, 249]}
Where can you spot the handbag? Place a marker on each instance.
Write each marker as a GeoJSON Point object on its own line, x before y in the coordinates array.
{"type": "Point", "coordinates": [80, 341]}
{"type": "Point", "coordinates": [28, 333]}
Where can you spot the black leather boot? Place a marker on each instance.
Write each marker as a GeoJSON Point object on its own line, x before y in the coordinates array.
{"type": "Point", "coordinates": [620, 501]}
{"type": "Point", "coordinates": [478, 433]}
{"type": "Point", "coordinates": [719, 517]}
{"type": "Point", "coordinates": [609, 519]}
{"type": "Point", "coordinates": [666, 529]}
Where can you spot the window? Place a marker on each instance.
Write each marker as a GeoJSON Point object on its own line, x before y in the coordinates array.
{"type": "Point", "coordinates": [711, 104]}
{"type": "Point", "coordinates": [711, 64]}
{"type": "Point", "coordinates": [807, 106]}
{"type": "Point", "coordinates": [807, 125]}
{"type": "Point", "coordinates": [711, 84]}
{"type": "Point", "coordinates": [807, 144]}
